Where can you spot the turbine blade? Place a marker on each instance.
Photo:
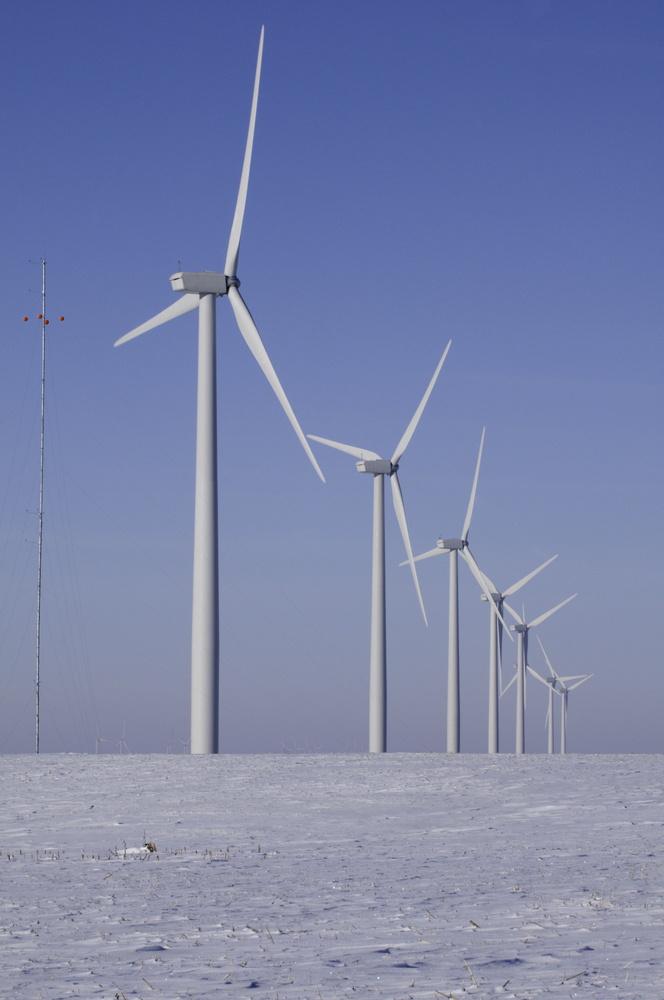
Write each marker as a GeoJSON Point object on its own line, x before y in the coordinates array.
{"type": "Point", "coordinates": [255, 345]}
{"type": "Point", "coordinates": [425, 555]}
{"type": "Point", "coordinates": [509, 685]}
{"type": "Point", "coordinates": [469, 512]}
{"type": "Point", "coordinates": [513, 613]}
{"type": "Point", "coordinates": [183, 305]}
{"type": "Point", "coordinates": [400, 511]}
{"type": "Point", "coordinates": [580, 682]}
{"type": "Point", "coordinates": [233, 251]}
{"type": "Point", "coordinates": [357, 452]}
{"type": "Point", "coordinates": [410, 430]}
{"type": "Point", "coordinates": [477, 573]}
{"type": "Point", "coordinates": [517, 586]}
{"type": "Point", "coordinates": [489, 584]}
{"type": "Point", "coordinates": [549, 613]}
{"type": "Point", "coordinates": [548, 661]}
{"type": "Point", "coordinates": [576, 677]}
{"type": "Point", "coordinates": [535, 674]}
{"type": "Point", "coordinates": [548, 714]}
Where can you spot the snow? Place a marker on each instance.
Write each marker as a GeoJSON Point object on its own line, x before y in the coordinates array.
{"type": "Point", "coordinates": [322, 876]}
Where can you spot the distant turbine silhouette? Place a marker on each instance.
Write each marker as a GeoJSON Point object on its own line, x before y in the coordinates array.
{"type": "Point", "coordinates": [99, 739]}
{"type": "Point", "coordinates": [121, 742]}
{"type": "Point", "coordinates": [563, 691]}
{"type": "Point", "coordinates": [522, 629]}
{"type": "Point", "coordinates": [496, 648]}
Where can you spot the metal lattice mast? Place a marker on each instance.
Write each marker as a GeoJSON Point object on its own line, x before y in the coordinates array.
{"type": "Point", "coordinates": [41, 505]}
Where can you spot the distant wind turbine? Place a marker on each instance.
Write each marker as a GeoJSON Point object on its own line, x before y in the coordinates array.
{"type": "Point", "coordinates": [453, 546]}
{"type": "Point", "coordinates": [496, 648]}
{"type": "Point", "coordinates": [522, 628]}
{"type": "Point", "coordinates": [200, 292]}
{"type": "Point", "coordinates": [564, 691]}
{"type": "Point", "coordinates": [373, 464]}
{"type": "Point", "coordinates": [100, 739]}
{"type": "Point", "coordinates": [121, 742]}
{"type": "Point", "coordinates": [551, 683]}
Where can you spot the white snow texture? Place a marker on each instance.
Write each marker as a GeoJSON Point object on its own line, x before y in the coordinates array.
{"type": "Point", "coordinates": [323, 876]}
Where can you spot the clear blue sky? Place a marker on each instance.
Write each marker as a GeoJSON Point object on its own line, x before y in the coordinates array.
{"type": "Point", "coordinates": [481, 171]}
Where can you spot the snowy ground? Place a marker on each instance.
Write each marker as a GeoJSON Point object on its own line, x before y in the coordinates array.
{"type": "Point", "coordinates": [321, 876]}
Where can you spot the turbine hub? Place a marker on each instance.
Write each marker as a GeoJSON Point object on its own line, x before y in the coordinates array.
{"type": "Point", "coordinates": [235, 281]}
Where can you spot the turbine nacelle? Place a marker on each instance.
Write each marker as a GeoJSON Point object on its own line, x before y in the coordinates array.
{"type": "Point", "coordinates": [496, 596]}
{"type": "Point", "coordinates": [518, 628]}
{"type": "Point", "coordinates": [378, 467]}
{"type": "Point", "coordinates": [452, 543]}
{"type": "Point", "coordinates": [202, 283]}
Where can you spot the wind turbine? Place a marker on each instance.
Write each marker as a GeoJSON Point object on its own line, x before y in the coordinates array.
{"type": "Point", "coordinates": [496, 647]}
{"type": "Point", "coordinates": [453, 546]}
{"type": "Point", "coordinates": [550, 683]}
{"type": "Point", "coordinates": [100, 739]}
{"type": "Point", "coordinates": [122, 742]}
{"type": "Point", "coordinates": [563, 692]}
{"type": "Point", "coordinates": [563, 716]}
{"type": "Point", "coordinates": [522, 629]}
{"type": "Point", "coordinates": [200, 292]}
{"type": "Point", "coordinates": [370, 462]}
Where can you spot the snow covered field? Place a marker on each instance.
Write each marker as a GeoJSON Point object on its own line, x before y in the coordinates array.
{"type": "Point", "coordinates": [322, 876]}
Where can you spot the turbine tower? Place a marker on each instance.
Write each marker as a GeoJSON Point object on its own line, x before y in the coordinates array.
{"type": "Point", "coordinates": [496, 648]}
{"type": "Point", "coordinates": [522, 628]}
{"type": "Point", "coordinates": [453, 546]}
{"type": "Point", "coordinates": [200, 292]}
{"type": "Point", "coordinates": [371, 463]}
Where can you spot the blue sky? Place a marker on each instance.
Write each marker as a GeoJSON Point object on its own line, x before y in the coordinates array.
{"type": "Point", "coordinates": [485, 172]}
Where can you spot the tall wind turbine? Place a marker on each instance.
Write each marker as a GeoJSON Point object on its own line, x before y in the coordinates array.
{"type": "Point", "coordinates": [496, 647]}
{"type": "Point", "coordinates": [370, 462]}
{"type": "Point", "coordinates": [453, 546]}
{"type": "Point", "coordinates": [200, 292]}
{"type": "Point", "coordinates": [522, 628]}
